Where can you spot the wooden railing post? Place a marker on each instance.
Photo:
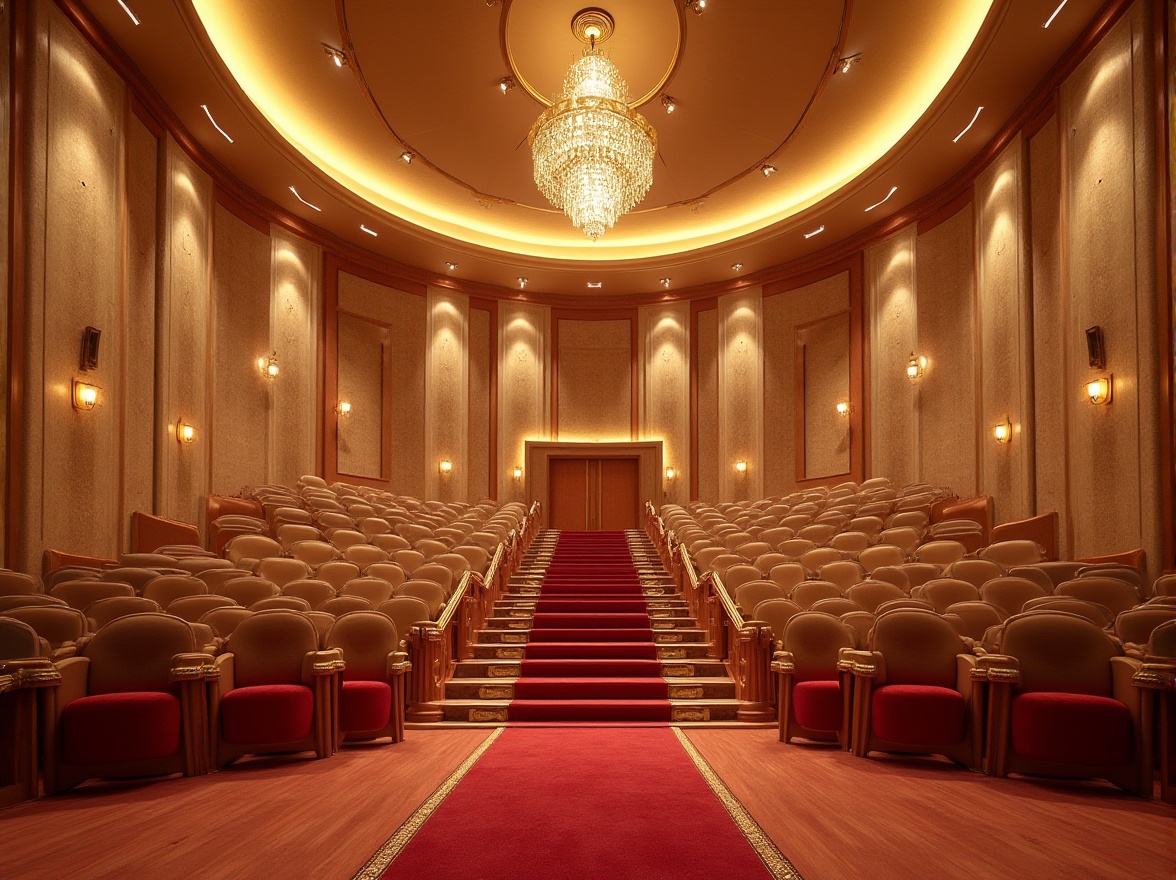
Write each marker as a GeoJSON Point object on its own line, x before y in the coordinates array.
{"type": "Point", "coordinates": [755, 651]}
{"type": "Point", "coordinates": [427, 649]}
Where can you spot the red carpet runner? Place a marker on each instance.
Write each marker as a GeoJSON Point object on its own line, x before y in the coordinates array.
{"type": "Point", "coordinates": [590, 654]}
{"type": "Point", "coordinates": [590, 803]}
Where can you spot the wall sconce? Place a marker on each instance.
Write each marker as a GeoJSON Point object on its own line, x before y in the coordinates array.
{"type": "Point", "coordinates": [445, 467]}
{"type": "Point", "coordinates": [843, 408]}
{"type": "Point", "coordinates": [268, 366]}
{"type": "Point", "coordinates": [185, 432]}
{"type": "Point", "coordinates": [1098, 391]}
{"type": "Point", "coordinates": [915, 366]}
{"type": "Point", "coordinates": [84, 396]}
{"type": "Point", "coordinates": [671, 473]}
{"type": "Point", "coordinates": [1002, 431]}
{"type": "Point", "coordinates": [343, 409]}
{"type": "Point", "coordinates": [741, 467]}
{"type": "Point", "coordinates": [517, 473]}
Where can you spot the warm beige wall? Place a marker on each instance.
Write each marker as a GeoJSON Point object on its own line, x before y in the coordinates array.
{"type": "Point", "coordinates": [363, 379]}
{"type": "Point", "coordinates": [595, 380]}
{"type": "Point", "coordinates": [708, 404]}
{"type": "Point", "coordinates": [825, 351]}
{"type": "Point", "coordinates": [481, 345]}
{"type": "Point", "coordinates": [741, 381]}
{"type": "Point", "coordinates": [523, 387]}
{"type": "Point", "coordinates": [664, 380]}
{"type": "Point", "coordinates": [446, 400]}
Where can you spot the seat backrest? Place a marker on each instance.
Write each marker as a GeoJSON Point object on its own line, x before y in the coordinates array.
{"type": "Point", "coordinates": [973, 619]}
{"type": "Point", "coordinates": [19, 641]}
{"type": "Point", "coordinates": [405, 611]}
{"type": "Point", "coordinates": [818, 556]}
{"type": "Point", "coordinates": [814, 640]}
{"type": "Point", "coordinates": [837, 606]}
{"type": "Point", "coordinates": [748, 595]}
{"type": "Point", "coordinates": [843, 572]}
{"type": "Point", "coordinates": [807, 593]}
{"type": "Point", "coordinates": [870, 594]}
{"type": "Point", "coordinates": [1135, 626]}
{"type": "Point", "coordinates": [907, 602]}
{"type": "Point", "coordinates": [409, 560]}
{"type": "Point", "coordinates": [80, 594]}
{"type": "Point", "coordinates": [374, 589]}
{"type": "Point", "coordinates": [364, 555]}
{"type": "Point", "coordinates": [477, 557]}
{"type": "Point", "coordinates": [313, 590]}
{"type": "Point", "coordinates": [428, 592]}
{"type": "Point", "coordinates": [193, 608]}
{"type": "Point", "coordinates": [269, 647]}
{"type": "Point", "coordinates": [1117, 595]}
{"type": "Point", "coordinates": [314, 553]}
{"type": "Point", "coordinates": [437, 573]}
{"type": "Point", "coordinates": [340, 605]}
{"type": "Point", "coordinates": [860, 621]}
{"type": "Point", "coordinates": [24, 601]}
{"type": "Point", "coordinates": [1015, 552]}
{"type": "Point", "coordinates": [1100, 615]}
{"type": "Point", "coordinates": [17, 583]}
{"type": "Point", "coordinates": [281, 571]}
{"type": "Point", "coordinates": [881, 554]}
{"type": "Point", "coordinates": [103, 611]}
{"type": "Point", "coordinates": [56, 624]}
{"type": "Point", "coordinates": [940, 552]}
{"type": "Point", "coordinates": [942, 592]}
{"type": "Point", "coordinates": [247, 590]}
{"type": "Point", "coordinates": [167, 587]}
{"type": "Point", "coordinates": [225, 619]}
{"type": "Point", "coordinates": [134, 653]}
{"type": "Point", "coordinates": [739, 574]}
{"type": "Point", "coordinates": [974, 571]}
{"type": "Point", "coordinates": [818, 533]}
{"type": "Point", "coordinates": [337, 572]}
{"type": "Point", "coordinates": [1010, 593]}
{"type": "Point", "coordinates": [1162, 643]}
{"type": "Point", "coordinates": [905, 538]}
{"type": "Point", "coordinates": [291, 533]}
{"type": "Point", "coordinates": [850, 542]}
{"type": "Point", "coordinates": [293, 603]}
{"type": "Point", "coordinates": [919, 647]}
{"type": "Point", "coordinates": [892, 574]}
{"type": "Point", "coordinates": [1061, 652]}
{"type": "Point", "coordinates": [366, 639]}
{"type": "Point", "coordinates": [775, 612]}
{"type": "Point", "coordinates": [245, 547]}
{"type": "Point", "coordinates": [788, 574]}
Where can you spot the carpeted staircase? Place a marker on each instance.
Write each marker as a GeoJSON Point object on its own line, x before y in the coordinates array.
{"type": "Point", "coordinates": [591, 630]}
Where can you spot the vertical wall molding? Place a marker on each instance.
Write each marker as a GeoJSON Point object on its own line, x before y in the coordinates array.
{"type": "Point", "coordinates": [741, 395]}
{"type": "Point", "coordinates": [447, 395]}
{"type": "Point", "coordinates": [664, 399]}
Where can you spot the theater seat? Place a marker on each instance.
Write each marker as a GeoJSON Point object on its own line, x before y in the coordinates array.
{"type": "Point", "coordinates": [274, 690]}
{"type": "Point", "coordinates": [1156, 681]}
{"type": "Point", "coordinates": [1062, 703]}
{"type": "Point", "coordinates": [131, 703]}
{"type": "Point", "coordinates": [813, 700]}
{"type": "Point", "coordinates": [370, 698]}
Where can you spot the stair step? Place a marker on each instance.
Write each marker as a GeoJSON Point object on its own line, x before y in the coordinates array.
{"type": "Point", "coordinates": [508, 668]}
{"type": "Point", "coordinates": [681, 711]}
{"type": "Point", "coordinates": [620, 689]}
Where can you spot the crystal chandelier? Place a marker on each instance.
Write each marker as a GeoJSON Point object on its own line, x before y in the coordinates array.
{"type": "Point", "coordinates": [593, 154]}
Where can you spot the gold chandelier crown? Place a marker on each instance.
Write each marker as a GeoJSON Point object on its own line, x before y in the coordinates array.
{"type": "Point", "coordinates": [593, 154]}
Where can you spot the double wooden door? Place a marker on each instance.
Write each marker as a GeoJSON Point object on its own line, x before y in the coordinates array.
{"type": "Point", "coordinates": [594, 494]}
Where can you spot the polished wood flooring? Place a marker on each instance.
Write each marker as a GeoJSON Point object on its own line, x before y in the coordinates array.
{"type": "Point", "coordinates": [836, 817]}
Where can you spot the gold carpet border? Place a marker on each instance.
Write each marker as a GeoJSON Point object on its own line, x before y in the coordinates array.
{"type": "Point", "coordinates": [395, 844]}
{"type": "Point", "coordinates": [774, 860]}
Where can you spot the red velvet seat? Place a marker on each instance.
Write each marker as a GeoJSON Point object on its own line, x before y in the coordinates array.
{"type": "Point", "coordinates": [371, 697]}
{"type": "Point", "coordinates": [813, 691]}
{"type": "Point", "coordinates": [131, 703]}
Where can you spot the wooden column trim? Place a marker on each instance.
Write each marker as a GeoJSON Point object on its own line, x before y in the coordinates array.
{"type": "Point", "coordinates": [491, 306]}
{"type": "Point", "coordinates": [17, 363]}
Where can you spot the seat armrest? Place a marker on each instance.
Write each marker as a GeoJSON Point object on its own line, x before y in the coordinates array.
{"type": "Point", "coordinates": [998, 667]}
{"type": "Point", "coordinates": [1156, 674]}
{"type": "Point", "coordinates": [398, 663]}
{"type": "Point", "coordinates": [965, 665]}
{"type": "Point", "coordinates": [863, 664]}
{"type": "Point", "coordinates": [784, 662]}
{"type": "Point", "coordinates": [316, 663]}
{"type": "Point", "coordinates": [190, 667]}
{"type": "Point", "coordinates": [34, 672]}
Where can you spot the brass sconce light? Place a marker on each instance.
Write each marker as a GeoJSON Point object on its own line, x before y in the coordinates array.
{"type": "Point", "coordinates": [915, 366]}
{"type": "Point", "coordinates": [741, 467]}
{"type": "Point", "coordinates": [1002, 431]}
{"type": "Point", "coordinates": [85, 397]}
{"type": "Point", "coordinates": [445, 467]}
{"type": "Point", "coordinates": [671, 473]}
{"type": "Point", "coordinates": [1098, 391]}
{"type": "Point", "coordinates": [268, 366]}
{"type": "Point", "coordinates": [517, 473]}
{"type": "Point", "coordinates": [343, 409]}
{"type": "Point", "coordinates": [843, 408]}
{"type": "Point", "coordinates": [185, 432]}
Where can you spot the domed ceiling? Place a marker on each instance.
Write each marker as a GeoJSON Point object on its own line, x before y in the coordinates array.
{"type": "Point", "coordinates": [852, 107]}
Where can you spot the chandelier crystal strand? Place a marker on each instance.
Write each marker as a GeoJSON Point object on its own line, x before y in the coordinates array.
{"type": "Point", "coordinates": [593, 155]}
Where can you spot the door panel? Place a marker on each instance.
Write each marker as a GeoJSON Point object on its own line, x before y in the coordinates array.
{"type": "Point", "coordinates": [567, 487]}
{"type": "Point", "coordinates": [594, 493]}
{"type": "Point", "coordinates": [619, 504]}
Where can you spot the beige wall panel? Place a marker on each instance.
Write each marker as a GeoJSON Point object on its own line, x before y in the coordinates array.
{"type": "Point", "coordinates": [665, 391]}
{"type": "Point", "coordinates": [826, 384]}
{"type": "Point", "coordinates": [295, 313]}
{"type": "Point", "coordinates": [1053, 385]}
{"type": "Point", "coordinates": [782, 313]}
{"type": "Point", "coordinates": [138, 436]}
{"type": "Point", "coordinates": [1110, 196]}
{"type": "Point", "coordinates": [944, 271]}
{"type": "Point", "coordinates": [184, 290]}
{"type": "Point", "coordinates": [5, 146]}
{"type": "Point", "coordinates": [741, 395]}
{"type": "Point", "coordinates": [708, 405]}
{"type": "Point", "coordinates": [1005, 357]}
{"type": "Point", "coordinates": [74, 274]}
{"type": "Point", "coordinates": [523, 407]}
{"type": "Point", "coordinates": [363, 371]}
{"type": "Point", "coordinates": [595, 374]}
{"type": "Point", "coordinates": [478, 435]}
{"type": "Point", "coordinates": [446, 397]}
{"type": "Point", "coordinates": [406, 316]}
{"type": "Point", "coordinates": [239, 429]}
{"type": "Point", "coordinates": [890, 293]}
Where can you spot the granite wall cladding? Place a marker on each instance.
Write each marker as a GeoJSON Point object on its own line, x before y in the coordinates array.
{"type": "Point", "coordinates": [945, 329]}
{"type": "Point", "coordinates": [782, 314]}
{"type": "Point", "coordinates": [295, 314]}
{"type": "Point", "coordinates": [446, 401]}
{"type": "Point", "coordinates": [523, 386]}
{"type": "Point", "coordinates": [665, 391]}
{"type": "Point", "coordinates": [741, 380]}
{"type": "Point", "coordinates": [595, 376]}
{"type": "Point", "coordinates": [708, 404]}
{"type": "Point", "coordinates": [890, 294]}
{"type": "Point", "coordinates": [239, 427]}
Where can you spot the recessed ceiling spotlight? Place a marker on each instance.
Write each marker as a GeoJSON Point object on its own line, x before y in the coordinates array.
{"type": "Point", "coordinates": [975, 116]}
{"type": "Point", "coordinates": [370, 232]}
{"type": "Point", "coordinates": [336, 55]}
{"type": "Point", "coordinates": [1048, 21]}
{"type": "Point", "coordinates": [669, 103]}
{"type": "Point", "coordinates": [816, 231]}
{"type": "Point", "coordinates": [893, 190]}
{"type": "Point", "coordinates": [595, 284]}
{"type": "Point", "coordinates": [846, 64]}
{"type": "Point", "coordinates": [304, 201]}
{"type": "Point", "coordinates": [664, 282]}
{"type": "Point", "coordinates": [506, 84]}
{"type": "Point", "coordinates": [736, 266]}
{"type": "Point", "coordinates": [406, 157]}
{"type": "Point", "coordinates": [523, 282]}
{"type": "Point", "coordinates": [135, 18]}
{"type": "Point", "coordinates": [208, 113]}
{"type": "Point", "coordinates": [450, 266]}
{"type": "Point", "coordinates": [696, 6]}
{"type": "Point", "coordinates": [768, 170]}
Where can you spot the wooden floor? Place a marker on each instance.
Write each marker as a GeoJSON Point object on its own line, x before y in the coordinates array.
{"type": "Point", "coordinates": [834, 816]}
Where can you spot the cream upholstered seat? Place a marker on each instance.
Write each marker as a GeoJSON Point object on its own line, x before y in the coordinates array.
{"type": "Point", "coordinates": [906, 602]}
{"type": "Point", "coordinates": [406, 612]}
{"type": "Point", "coordinates": [748, 595]}
{"type": "Point", "coordinates": [340, 605]}
{"type": "Point", "coordinates": [103, 611]}
{"type": "Point", "coordinates": [17, 583]}
{"type": "Point", "coordinates": [315, 553]}
{"type": "Point", "coordinates": [429, 592]}
{"type": "Point", "coordinates": [193, 608]}
{"type": "Point", "coordinates": [870, 594]}
{"type": "Point", "coordinates": [837, 606]}
{"type": "Point", "coordinates": [1100, 615]}
{"type": "Point", "coordinates": [1062, 703]}
{"type": "Point", "coordinates": [337, 572]}
{"type": "Point", "coordinates": [274, 690]}
{"type": "Point", "coordinates": [374, 589]}
{"type": "Point", "coordinates": [850, 542]}
{"type": "Point", "coordinates": [775, 612]}
{"type": "Point", "coordinates": [477, 557]}
{"type": "Point", "coordinates": [80, 594]}
{"type": "Point", "coordinates": [905, 538]}
{"type": "Point", "coordinates": [941, 552]}
{"type": "Point", "coordinates": [1014, 552]}
{"type": "Point", "coordinates": [437, 573]}
{"type": "Point", "coordinates": [788, 574]}
{"type": "Point", "coordinates": [364, 555]}
{"type": "Point", "coordinates": [136, 577]}
{"type": "Point", "coordinates": [245, 551]}
{"type": "Point", "coordinates": [942, 592]}
{"type": "Point", "coordinates": [818, 556]}
{"type": "Point", "coordinates": [913, 690]}
{"type": "Point", "coordinates": [313, 590]}
{"type": "Point", "coordinates": [292, 603]}
{"type": "Point", "coordinates": [739, 574]}
{"type": "Point", "coordinates": [892, 574]}
{"type": "Point", "coordinates": [19, 641]}
{"type": "Point", "coordinates": [224, 620]}
{"type": "Point", "coordinates": [167, 587]}
{"type": "Point", "coordinates": [1133, 628]}
{"type": "Point", "coordinates": [282, 570]}
{"type": "Point", "coordinates": [974, 571]}
{"type": "Point", "coordinates": [131, 703]}
{"type": "Point", "coordinates": [1010, 593]}
{"type": "Point", "coordinates": [1117, 595]}
{"type": "Point", "coordinates": [843, 572]}
{"type": "Point", "coordinates": [247, 590]}
{"type": "Point", "coordinates": [881, 554]}
{"type": "Point", "coordinates": [974, 619]}
{"type": "Point", "coordinates": [806, 593]}
{"type": "Point", "coordinates": [814, 697]}
{"type": "Point", "coordinates": [370, 701]}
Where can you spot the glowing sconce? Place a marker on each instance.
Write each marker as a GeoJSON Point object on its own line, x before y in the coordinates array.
{"type": "Point", "coordinates": [268, 366]}
{"type": "Point", "coordinates": [1098, 391]}
{"type": "Point", "coordinates": [84, 396]}
{"type": "Point", "coordinates": [185, 432]}
{"type": "Point", "coordinates": [671, 473]}
{"type": "Point", "coordinates": [1002, 431]}
{"type": "Point", "coordinates": [343, 409]}
{"type": "Point", "coordinates": [445, 467]}
{"type": "Point", "coordinates": [517, 473]}
{"type": "Point", "coordinates": [915, 366]}
{"type": "Point", "coordinates": [741, 467]}
{"type": "Point", "coordinates": [843, 408]}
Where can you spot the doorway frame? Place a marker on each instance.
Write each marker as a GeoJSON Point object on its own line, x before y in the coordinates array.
{"type": "Point", "coordinates": [539, 453]}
